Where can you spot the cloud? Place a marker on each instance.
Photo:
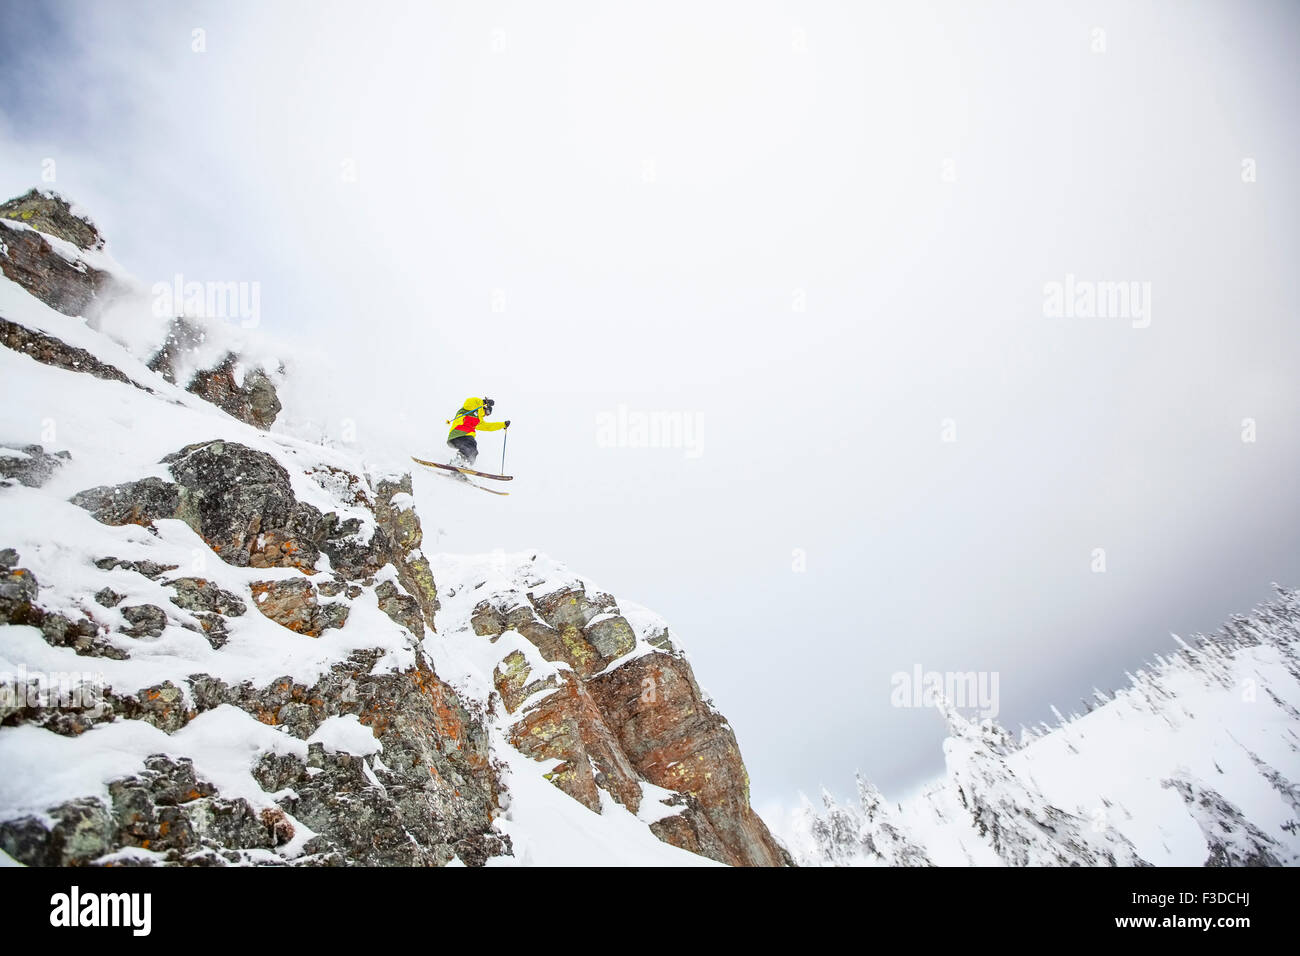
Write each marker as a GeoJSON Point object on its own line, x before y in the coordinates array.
{"type": "Point", "coordinates": [825, 234]}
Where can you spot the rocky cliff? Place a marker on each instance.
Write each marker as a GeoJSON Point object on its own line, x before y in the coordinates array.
{"type": "Point", "coordinates": [222, 644]}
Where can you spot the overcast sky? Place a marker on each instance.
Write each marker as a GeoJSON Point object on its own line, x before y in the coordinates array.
{"type": "Point", "coordinates": [819, 234]}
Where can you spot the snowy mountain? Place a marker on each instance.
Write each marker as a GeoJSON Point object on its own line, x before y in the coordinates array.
{"type": "Point", "coordinates": [1196, 762]}
{"type": "Point", "coordinates": [221, 641]}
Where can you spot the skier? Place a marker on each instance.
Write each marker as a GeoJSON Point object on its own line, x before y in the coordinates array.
{"type": "Point", "coordinates": [470, 417]}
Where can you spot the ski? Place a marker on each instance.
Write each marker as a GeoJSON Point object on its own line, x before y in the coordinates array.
{"type": "Point", "coordinates": [452, 476]}
{"type": "Point", "coordinates": [463, 471]}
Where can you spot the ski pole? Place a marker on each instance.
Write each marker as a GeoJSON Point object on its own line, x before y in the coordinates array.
{"type": "Point", "coordinates": [504, 435]}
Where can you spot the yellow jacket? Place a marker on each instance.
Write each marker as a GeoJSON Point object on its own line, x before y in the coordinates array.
{"type": "Point", "coordinates": [470, 417]}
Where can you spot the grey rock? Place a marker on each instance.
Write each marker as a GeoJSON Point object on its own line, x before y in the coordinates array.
{"type": "Point", "coordinates": [137, 502]}
{"type": "Point", "coordinates": [210, 606]}
{"type": "Point", "coordinates": [50, 213]}
{"type": "Point", "coordinates": [275, 772]}
{"type": "Point", "coordinates": [49, 350]}
{"type": "Point", "coordinates": [487, 621]}
{"type": "Point", "coordinates": [149, 569]}
{"type": "Point", "coordinates": [35, 469]}
{"type": "Point", "coordinates": [200, 594]}
{"type": "Point", "coordinates": [18, 591]}
{"type": "Point", "coordinates": [146, 620]}
{"type": "Point", "coordinates": [253, 401]}
{"type": "Point", "coordinates": [163, 706]}
{"type": "Point", "coordinates": [82, 832]}
{"type": "Point", "coordinates": [31, 261]}
{"type": "Point", "coordinates": [566, 606]}
{"type": "Point", "coordinates": [241, 502]}
{"type": "Point", "coordinates": [612, 636]}
{"type": "Point", "coordinates": [439, 790]}
{"type": "Point", "coordinates": [401, 608]}
{"type": "Point", "coordinates": [18, 594]}
{"type": "Point", "coordinates": [165, 808]}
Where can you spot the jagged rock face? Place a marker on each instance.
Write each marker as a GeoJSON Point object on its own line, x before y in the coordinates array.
{"type": "Point", "coordinates": [401, 608]}
{"type": "Point", "coordinates": [238, 499]}
{"type": "Point", "coordinates": [241, 502]}
{"type": "Point", "coordinates": [397, 541]}
{"type": "Point", "coordinates": [19, 591]}
{"type": "Point", "coordinates": [52, 214]}
{"type": "Point", "coordinates": [569, 726]}
{"type": "Point", "coordinates": [582, 631]}
{"type": "Point", "coordinates": [68, 287]}
{"type": "Point", "coordinates": [253, 400]}
{"type": "Point", "coordinates": [675, 740]}
{"type": "Point", "coordinates": [76, 288]}
{"type": "Point", "coordinates": [430, 797]}
{"type": "Point", "coordinates": [165, 809]}
{"type": "Point", "coordinates": [615, 726]}
{"type": "Point", "coordinates": [32, 467]}
{"type": "Point", "coordinates": [435, 783]}
{"type": "Point", "coordinates": [692, 831]}
{"type": "Point", "coordinates": [49, 350]}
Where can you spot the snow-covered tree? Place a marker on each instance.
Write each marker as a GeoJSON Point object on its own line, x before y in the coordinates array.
{"type": "Point", "coordinates": [1023, 828]}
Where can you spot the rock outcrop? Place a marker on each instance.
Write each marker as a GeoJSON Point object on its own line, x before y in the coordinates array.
{"type": "Point", "coordinates": [616, 713]}
{"type": "Point", "coordinates": [358, 752]}
{"type": "Point", "coordinates": [237, 499]}
{"type": "Point", "coordinates": [252, 398]}
{"type": "Point", "coordinates": [51, 350]}
{"type": "Point", "coordinates": [428, 793]}
{"type": "Point", "coordinates": [50, 213]}
{"type": "Point", "coordinates": [32, 229]}
{"type": "Point", "coordinates": [30, 465]}
{"type": "Point", "coordinates": [65, 283]}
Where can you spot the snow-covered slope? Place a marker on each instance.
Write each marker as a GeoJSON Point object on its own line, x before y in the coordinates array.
{"type": "Point", "coordinates": [220, 642]}
{"type": "Point", "coordinates": [1196, 762]}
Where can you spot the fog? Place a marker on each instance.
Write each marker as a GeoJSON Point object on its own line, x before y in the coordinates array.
{"type": "Point", "coordinates": [814, 246]}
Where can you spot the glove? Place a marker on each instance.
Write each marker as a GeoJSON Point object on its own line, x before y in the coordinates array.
{"type": "Point", "coordinates": [507, 423]}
